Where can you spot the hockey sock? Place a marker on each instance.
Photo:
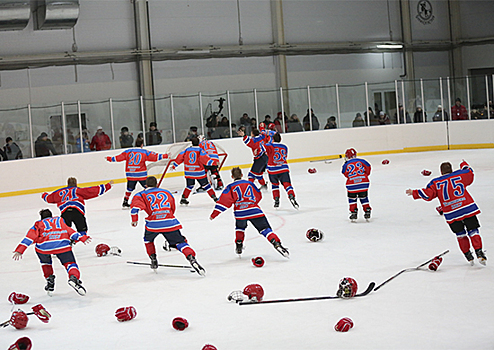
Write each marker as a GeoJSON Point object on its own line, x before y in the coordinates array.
{"type": "Point", "coordinates": [47, 270]}
{"type": "Point", "coordinates": [276, 191]}
{"type": "Point", "coordinates": [262, 181]}
{"type": "Point", "coordinates": [211, 192]}
{"type": "Point", "coordinates": [365, 202]}
{"type": "Point", "coordinates": [239, 235]}
{"type": "Point", "coordinates": [475, 238]}
{"type": "Point", "coordinates": [272, 236]}
{"type": "Point", "coordinates": [127, 195]}
{"type": "Point", "coordinates": [219, 182]}
{"type": "Point", "coordinates": [464, 243]}
{"type": "Point", "coordinates": [186, 192]}
{"type": "Point", "coordinates": [150, 248]}
{"type": "Point", "coordinates": [353, 204]}
{"type": "Point", "coordinates": [72, 269]}
{"type": "Point", "coordinates": [366, 206]}
{"type": "Point", "coordinates": [185, 249]}
{"type": "Point", "coordinates": [289, 188]}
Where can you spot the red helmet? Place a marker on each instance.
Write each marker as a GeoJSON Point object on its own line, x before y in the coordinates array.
{"type": "Point", "coordinates": [258, 261]}
{"type": "Point", "coordinates": [18, 319]}
{"type": "Point", "coordinates": [314, 234]}
{"type": "Point", "coordinates": [350, 153]}
{"type": "Point", "coordinates": [262, 126]}
{"type": "Point", "coordinates": [347, 288]}
{"type": "Point", "coordinates": [180, 323]}
{"type": "Point", "coordinates": [209, 347]}
{"type": "Point", "coordinates": [102, 249]}
{"type": "Point", "coordinates": [271, 126]}
{"type": "Point", "coordinates": [254, 291]}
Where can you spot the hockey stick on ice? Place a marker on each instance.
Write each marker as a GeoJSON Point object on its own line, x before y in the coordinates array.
{"type": "Point", "coordinates": [410, 269]}
{"type": "Point", "coordinates": [363, 294]}
{"type": "Point", "coordinates": [326, 159]}
{"type": "Point", "coordinates": [163, 265]}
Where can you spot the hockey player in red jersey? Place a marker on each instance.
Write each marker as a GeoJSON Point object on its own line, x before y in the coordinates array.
{"type": "Point", "coordinates": [70, 201]}
{"type": "Point", "coordinates": [210, 149]}
{"type": "Point", "coordinates": [135, 166]}
{"type": "Point", "coordinates": [458, 206]}
{"type": "Point", "coordinates": [159, 204]}
{"type": "Point", "coordinates": [245, 197]}
{"type": "Point", "coordinates": [195, 159]}
{"type": "Point", "coordinates": [357, 172]}
{"type": "Point", "coordinates": [278, 170]}
{"type": "Point", "coordinates": [256, 143]}
{"type": "Point", "coordinates": [52, 236]}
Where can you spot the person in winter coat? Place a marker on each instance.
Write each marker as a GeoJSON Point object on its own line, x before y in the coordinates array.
{"type": "Point", "coordinates": [12, 150]}
{"type": "Point", "coordinates": [100, 141]}
{"type": "Point", "coordinates": [43, 146]}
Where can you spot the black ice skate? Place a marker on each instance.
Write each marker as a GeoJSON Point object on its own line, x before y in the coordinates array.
{"type": "Point", "coordinates": [166, 246]}
{"type": "Point", "coordinates": [367, 214]}
{"type": "Point", "coordinates": [481, 256]}
{"type": "Point", "coordinates": [239, 247]}
{"type": "Point", "coordinates": [293, 201]}
{"type": "Point", "coordinates": [469, 257]}
{"type": "Point", "coordinates": [353, 216]}
{"type": "Point", "coordinates": [184, 201]}
{"type": "Point", "coordinates": [50, 285]}
{"type": "Point", "coordinates": [200, 189]}
{"type": "Point", "coordinates": [154, 261]}
{"type": "Point", "coordinates": [214, 198]}
{"type": "Point", "coordinates": [193, 262]}
{"type": "Point", "coordinates": [277, 202]}
{"type": "Point", "coordinates": [264, 187]}
{"type": "Point", "coordinates": [125, 204]}
{"type": "Point", "coordinates": [76, 283]}
{"type": "Point", "coordinates": [282, 250]}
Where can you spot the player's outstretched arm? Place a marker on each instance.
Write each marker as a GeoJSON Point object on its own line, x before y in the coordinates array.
{"type": "Point", "coordinates": [17, 256]}
{"type": "Point", "coordinates": [409, 192]}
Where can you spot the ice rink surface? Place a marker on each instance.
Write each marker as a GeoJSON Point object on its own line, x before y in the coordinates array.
{"type": "Point", "coordinates": [452, 308]}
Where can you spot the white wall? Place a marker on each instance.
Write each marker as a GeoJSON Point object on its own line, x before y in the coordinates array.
{"type": "Point", "coordinates": [46, 173]}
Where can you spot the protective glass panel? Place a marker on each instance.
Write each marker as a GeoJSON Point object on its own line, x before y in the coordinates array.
{"type": "Point", "coordinates": [325, 107]}
{"type": "Point", "coordinates": [126, 113]}
{"type": "Point", "coordinates": [459, 98]}
{"type": "Point", "coordinates": [14, 123]}
{"type": "Point", "coordinates": [187, 116]}
{"type": "Point", "coordinates": [215, 116]}
{"type": "Point", "coordinates": [243, 110]}
{"type": "Point", "coordinates": [295, 105]}
{"type": "Point", "coordinates": [433, 103]}
{"type": "Point", "coordinates": [164, 119]}
{"type": "Point", "coordinates": [268, 105]}
{"type": "Point", "coordinates": [382, 101]}
{"type": "Point", "coordinates": [352, 105]}
{"type": "Point", "coordinates": [47, 130]}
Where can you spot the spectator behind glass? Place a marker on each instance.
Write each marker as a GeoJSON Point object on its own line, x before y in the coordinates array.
{"type": "Point", "coordinates": [85, 142]}
{"type": "Point", "coordinates": [43, 146]}
{"type": "Point", "coordinates": [358, 121]}
{"type": "Point", "coordinates": [139, 140]}
{"type": "Point", "coordinates": [331, 123]}
{"type": "Point", "coordinates": [438, 116]}
{"type": "Point", "coordinates": [372, 117]}
{"type": "Point", "coordinates": [315, 121]}
{"type": "Point", "coordinates": [383, 118]}
{"type": "Point", "coordinates": [278, 123]}
{"type": "Point", "coordinates": [12, 150]}
{"type": "Point", "coordinates": [459, 111]}
{"type": "Point", "coordinates": [3, 156]}
{"type": "Point", "coordinates": [100, 141]}
{"type": "Point", "coordinates": [401, 111]}
{"type": "Point", "coordinates": [418, 117]}
{"type": "Point", "coordinates": [126, 139]}
{"type": "Point", "coordinates": [267, 119]}
{"type": "Point", "coordinates": [153, 136]}
{"type": "Point", "coordinates": [294, 124]}
{"type": "Point", "coordinates": [192, 133]}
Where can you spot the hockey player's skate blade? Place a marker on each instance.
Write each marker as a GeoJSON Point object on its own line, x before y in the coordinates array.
{"type": "Point", "coordinates": [239, 247]}
{"type": "Point", "coordinates": [77, 285]}
{"type": "Point", "coordinates": [282, 250]}
{"type": "Point", "coordinates": [294, 202]}
{"type": "Point", "coordinates": [199, 269]}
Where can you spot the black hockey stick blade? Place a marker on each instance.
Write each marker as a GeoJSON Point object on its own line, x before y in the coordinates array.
{"type": "Point", "coordinates": [326, 159]}
{"type": "Point", "coordinates": [410, 269]}
{"type": "Point", "coordinates": [162, 265]}
{"type": "Point", "coordinates": [364, 293]}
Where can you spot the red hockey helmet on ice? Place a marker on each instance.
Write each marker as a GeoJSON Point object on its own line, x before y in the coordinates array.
{"type": "Point", "coordinates": [350, 153]}
{"type": "Point", "coordinates": [258, 261]}
{"type": "Point", "coordinates": [102, 249]}
{"type": "Point", "coordinates": [23, 343]}
{"type": "Point", "coordinates": [19, 319]}
{"type": "Point", "coordinates": [312, 170]}
{"type": "Point", "coordinates": [209, 347]}
{"type": "Point", "coordinates": [254, 291]}
{"type": "Point", "coordinates": [180, 323]}
{"type": "Point", "coordinates": [344, 325]}
{"type": "Point", "coordinates": [347, 288]}
{"type": "Point", "coordinates": [314, 234]}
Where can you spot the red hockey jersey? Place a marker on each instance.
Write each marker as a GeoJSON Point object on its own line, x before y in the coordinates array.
{"type": "Point", "coordinates": [135, 162]}
{"type": "Point", "coordinates": [159, 204]}
{"type": "Point", "coordinates": [451, 190]}
{"type": "Point", "coordinates": [73, 197]}
{"type": "Point", "coordinates": [194, 159]}
{"type": "Point", "coordinates": [211, 150]}
{"type": "Point", "coordinates": [357, 172]}
{"type": "Point", "coordinates": [277, 154]}
{"type": "Point", "coordinates": [245, 198]}
{"type": "Point", "coordinates": [256, 144]}
{"type": "Point", "coordinates": [51, 236]}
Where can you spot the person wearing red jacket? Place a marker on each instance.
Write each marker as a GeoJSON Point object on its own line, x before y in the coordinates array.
{"type": "Point", "coordinates": [70, 201]}
{"type": "Point", "coordinates": [459, 111]}
{"type": "Point", "coordinates": [159, 204]}
{"type": "Point", "coordinates": [195, 160]}
{"type": "Point", "coordinates": [245, 198]}
{"type": "Point", "coordinates": [135, 166]}
{"type": "Point", "coordinates": [100, 141]}
{"type": "Point", "coordinates": [357, 172]}
{"type": "Point", "coordinates": [52, 236]}
{"type": "Point", "coordinates": [458, 206]}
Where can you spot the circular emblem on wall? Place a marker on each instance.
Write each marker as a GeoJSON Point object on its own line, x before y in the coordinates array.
{"type": "Point", "coordinates": [424, 12]}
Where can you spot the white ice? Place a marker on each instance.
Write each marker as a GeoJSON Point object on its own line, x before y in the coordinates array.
{"type": "Point", "coordinates": [452, 308]}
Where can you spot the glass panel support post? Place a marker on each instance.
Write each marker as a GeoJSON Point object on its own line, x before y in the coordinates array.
{"type": "Point", "coordinates": [173, 118]}
{"type": "Point", "coordinates": [79, 116]}
{"type": "Point", "coordinates": [64, 129]}
{"type": "Point", "coordinates": [229, 112]}
{"type": "Point", "coordinates": [367, 103]}
{"type": "Point", "coordinates": [142, 120]}
{"type": "Point", "coordinates": [338, 104]}
{"type": "Point", "coordinates": [310, 108]}
{"type": "Point", "coordinates": [111, 122]}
